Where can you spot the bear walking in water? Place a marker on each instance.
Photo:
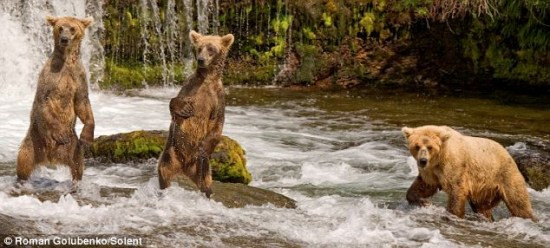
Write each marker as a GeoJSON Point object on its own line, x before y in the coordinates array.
{"type": "Point", "coordinates": [61, 96]}
{"type": "Point", "coordinates": [198, 113]}
{"type": "Point", "coordinates": [471, 169]}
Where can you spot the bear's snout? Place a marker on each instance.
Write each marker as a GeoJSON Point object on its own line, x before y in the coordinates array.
{"type": "Point", "coordinates": [64, 40]}
{"type": "Point", "coordinates": [422, 162]}
{"type": "Point", "coordinates": [201, 61]}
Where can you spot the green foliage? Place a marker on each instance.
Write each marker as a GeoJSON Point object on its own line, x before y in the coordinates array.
{"type": "Point", "coordinates": [509, 42]}
{"type": "Point", "coordinates": [308, 33]}
{"type": "Point", "coordinates": [310, 63]}
{"type": "Point", "coordinates": [367, 22]}
{"type": "Point", "coordinates": [135, 75]}
{"type": "Point", "coordinates": [515, 44]}
{"type": "Point", "coordinates": [281, 25]}
{"type": "Point", "coordinates": [327, 19]}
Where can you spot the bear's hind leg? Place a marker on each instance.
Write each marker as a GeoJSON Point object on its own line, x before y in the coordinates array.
{"type": "Point", "coordinates": [485, 207]}
{"type": "Point", "coordinates": [485, 210]}
{"type": "Point", "coordinates": [168, 167]}
{"type": "Point", "coordinates": [26, 160]}
{"type": "Point", "coordinates": [517, 200]}
{"type": "Point", "coordinates": [77, 162]}
{"type": "Point", "coordinates": [204, 175]}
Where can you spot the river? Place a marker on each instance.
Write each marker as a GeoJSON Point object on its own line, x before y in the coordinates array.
{"type": "Point", "coordinates": [341, 155]}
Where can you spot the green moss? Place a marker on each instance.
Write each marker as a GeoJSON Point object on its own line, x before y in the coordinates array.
{"type": "Point", "coordinates": [131, 75]}
{"type": "Point", "coordinates": [126, 147]}
{"type": "Point", "coordinates": [245, 71]}
{"type": "Point", "coordinates": [538, 178]}
{"type": "Point", "coordinates": [310, 63]}
{"type": "Point", "coordinates": [121, 77]}
{"type": "Point", "coordinates": [228, 163]}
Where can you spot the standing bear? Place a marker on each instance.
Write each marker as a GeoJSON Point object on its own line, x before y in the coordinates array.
{"type": "Point", "coordinates": [61, 96]}
{"type": "Point", "coordinates": [198, 113]}
{"type": "Point", "coordinates": [471, 169]}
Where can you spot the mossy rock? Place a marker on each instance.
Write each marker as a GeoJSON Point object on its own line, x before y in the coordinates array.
{"type": "Point", "coordinates": [128, 147]}
{"type": "Point", "coordinates": [228, 161]}
{"type": "Point", "coordinates": [535, 168]}
{"type": "Point", "coordinates": [237, 195]}
{"type": "Point", "coordinates": [533, 162]}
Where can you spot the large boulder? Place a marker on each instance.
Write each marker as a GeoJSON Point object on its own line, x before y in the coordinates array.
{"type": "Point", "coordinates": [228, 161]}
{"type": "Point", "coordinates": [237, 195]}
{"type": "Point", "coordinates": [231, 195]}
{"type": "Point", "coordinates": [533, 163]}
{"type": "Point", "coordinates": [11, 225]}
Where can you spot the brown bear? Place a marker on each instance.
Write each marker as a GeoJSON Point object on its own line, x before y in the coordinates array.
{"type": "Point", "coordinates": [61, 96]}
{"type": "Point", "coordinates": [198, 113]}
{"type": "Point", "coordinates": [472, 169]}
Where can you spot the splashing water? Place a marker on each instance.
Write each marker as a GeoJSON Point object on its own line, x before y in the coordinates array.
{"type": "Point", "coordinates": [347, 170]}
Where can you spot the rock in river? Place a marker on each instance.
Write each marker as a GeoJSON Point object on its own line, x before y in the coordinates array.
{"type": "Point", "coordinates": [228, 161]}
{"type": "Point", "coordinates": [533, 163]}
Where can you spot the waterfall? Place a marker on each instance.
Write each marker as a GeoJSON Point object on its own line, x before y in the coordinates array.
{"type": "Point", "coordinates": [172, 37]}
{"type": "Point", "coordinates": [145, 35]}
{"type": "Point", "coordinates": [202, 15]}
{"type": "Point", "coordinates": [160, 42]}
{"type": "Point", "coordinates": [188, 56]}
{"type": "Point", "coordinates": [26, 41]}
{"type": "Point", "coordinates": [165, 39]}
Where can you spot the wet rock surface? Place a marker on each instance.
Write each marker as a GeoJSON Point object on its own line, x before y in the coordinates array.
{"type": "Point", "coordinates": [11, 225]}
{"type": "Point", "coordinates": [533, 163]}
{"type": "Point", "coordinates": [228, 160]}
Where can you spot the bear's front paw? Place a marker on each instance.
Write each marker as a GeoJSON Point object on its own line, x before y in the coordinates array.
{"type": "Point", "coordinates": [424, 202]}
{"type": "Point", "coordinates": [62, 137]}
{"type": "Point", "coordinates": [87, 136]}
{"type": "Point", "coordinates": [182, 108]}
{"type": "Point", "coordinates": [208, 192]}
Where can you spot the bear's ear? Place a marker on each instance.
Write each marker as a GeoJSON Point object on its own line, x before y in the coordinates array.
{"type": "Point", "coordinates": [407, 131]}
{"type": "Point", "coordinates": [227, 40]}
{"type": "Point", "coordinates": [194, 37]}
{"type": "Point", "coordinates": [52, 20]}
{"type": "Point", "coordinates": [87, 21]}
{"type": "Point", "coordinates": [445, 134]}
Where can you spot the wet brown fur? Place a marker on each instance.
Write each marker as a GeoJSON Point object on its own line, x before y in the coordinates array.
{"type": "Point", "coordinates": [61, 96]}
{"type": "Point", "coordinates": [198, 113]}
{"type": "Point", "coordinates": [469, 169]}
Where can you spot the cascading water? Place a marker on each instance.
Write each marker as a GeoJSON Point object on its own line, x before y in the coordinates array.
{"type": "Point", "coordinates": [188, 57]}
{"type": "Point", "coordinates": [145, 35]}
{"type": "Point", "coordinates": [161, 44]}
{"type": "Point", "coordinates": [26, 41]}
{"type": "Point", "coordinates": [202, 15]}
{"type": "Point", "coordinates": [171, 37]}
{"type": "Point", "coordinates": [165, 42]}
{"type": "Point", "coordinates": [215, 17]}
